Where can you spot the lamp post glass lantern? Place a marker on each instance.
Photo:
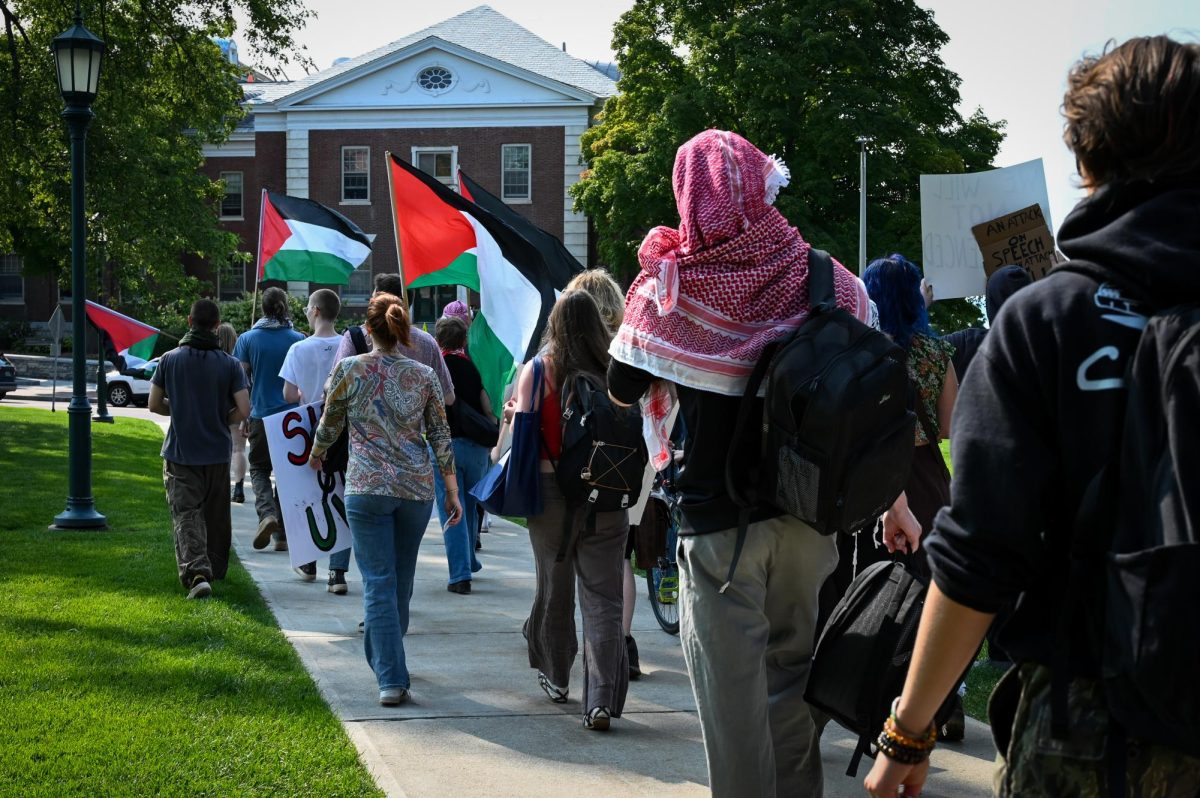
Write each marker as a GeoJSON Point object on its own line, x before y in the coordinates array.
{"type": "Point", "coordinates": [77, 56]}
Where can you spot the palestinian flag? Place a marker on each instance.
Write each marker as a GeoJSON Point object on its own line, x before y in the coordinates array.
{"type": "Point", "coordinates": [299, 239]}
{"type": "Point", "coordinates": [445, 239]}
{"type": "Point", "coordinates": [560, 262]}
{"type": "Point", "coordinates": [122, 332]}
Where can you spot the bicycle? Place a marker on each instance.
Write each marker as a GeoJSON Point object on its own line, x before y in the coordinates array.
{"type": "Point", "coordinates": [662, 576]}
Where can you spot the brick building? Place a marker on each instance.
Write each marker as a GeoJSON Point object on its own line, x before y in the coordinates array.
{"type": "Point", "coordinates": [476, 91]}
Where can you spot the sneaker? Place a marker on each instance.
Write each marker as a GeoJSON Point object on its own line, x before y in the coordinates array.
{"type": "Point", "coordinates": [955, 727]}
{"type": "Point", "coordinates": [462, 588]}
{"type": "Point", "coordinates": [393, 696]}
{"type": "Point", "coordinates": [307, 572]}
{"type": "Point", "coordinates": [266, 527]}
{"type": "Point", "coordinates": [239, 494]}
{"type": "Point", "coordinates": [486, 526]}
{"type": "Point", "coordinates": [337, 582]}
{"type": "Point", "coordinates": [478, 544]}
{"type": "Point", "coordinates": [200, 588]}
{"type": "Point", "coordinates": [362, 627]}
{"type": "Point", "coordinates": [597, 719]}
{"type": "Point", "coordinates": [281, 544]}
{"type": "Point", "coordinates": [556, 694]}
{"type": "Point", "coordinates": [635, 671]}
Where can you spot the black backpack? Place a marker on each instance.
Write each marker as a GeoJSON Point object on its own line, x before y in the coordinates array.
{"type": "Point", "coordinates": [603, 454]}
{"type": "Point", "coordinates": [1139, 526]}
{"type": "Point", "coordinates": [862, 657]}
{"type": "Point", "coordinates": [837, 428]}
{"type": "Point", "coordinates": [337, 457]}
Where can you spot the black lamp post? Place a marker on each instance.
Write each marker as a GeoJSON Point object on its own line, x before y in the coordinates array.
{"type": "Point", "coordinates": [77, 55]}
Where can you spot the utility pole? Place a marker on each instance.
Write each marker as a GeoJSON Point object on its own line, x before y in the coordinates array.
{"type": "Point", "coordinates": [862, 141]}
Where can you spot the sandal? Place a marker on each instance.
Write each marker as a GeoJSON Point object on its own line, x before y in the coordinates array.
{"type": "Point", "coordinates": [556, 694]}
{"type": "Point", "coordinates": [597, 719]}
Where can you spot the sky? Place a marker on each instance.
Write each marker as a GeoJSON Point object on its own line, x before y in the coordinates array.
{"type": "Point", "coordinates": [1012, 57]}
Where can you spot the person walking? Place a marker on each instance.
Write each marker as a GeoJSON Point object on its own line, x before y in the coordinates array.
{"type": "Point", "coordinates": [709, 298]}
{"type": "Point", "coordinates": [1003, 283]}
{"type": "Point", "coordinates": [600, 285]}
{"type": "Point", "coordinates": [576, 346]}
{"type": "Point", "coordinates": [261, 350]}
{"type": "Point", "coordinates": [389, 401]}
{"type": "Point", "coordinates": [1041, 418]}
{"type": "Point", "coordinates": [238, 464]}
{"type": "Point", "coordinates": [203, 391]}
{"type": "Point", "coordinates": [419, 346]}
{"type": "Point", "coordinates": [470, 456]}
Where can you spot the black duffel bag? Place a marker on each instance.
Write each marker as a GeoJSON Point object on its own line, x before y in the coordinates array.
{"type": "Point", "coordinates": [862, 657]}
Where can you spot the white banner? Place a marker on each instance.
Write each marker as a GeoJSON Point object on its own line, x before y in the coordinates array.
{"type": "Point", "coordinates": [314, 509]}
{"type": "Point", "coordinates": [952, 204]}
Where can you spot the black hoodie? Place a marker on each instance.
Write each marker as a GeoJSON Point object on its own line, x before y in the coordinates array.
{"type": "Point", "coordinates": [1000, 286]}
{"type": "Point", "coordinates": [1038, 413]}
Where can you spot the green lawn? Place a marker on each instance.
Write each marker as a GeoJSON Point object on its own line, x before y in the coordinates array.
{"type": "Point", "coordinates": [111, 683]}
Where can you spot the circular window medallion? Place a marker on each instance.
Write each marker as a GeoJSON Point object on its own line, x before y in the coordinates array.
{"type": "Point", "coordinates": [435, 79]}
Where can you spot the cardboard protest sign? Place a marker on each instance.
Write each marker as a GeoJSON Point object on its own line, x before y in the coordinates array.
{"type": "Point", "coordinates": [953, 204]}
{"type": "Point", "coordinates": [1017, 239]}
{"type": "Point", "coordinates": [313, 504]}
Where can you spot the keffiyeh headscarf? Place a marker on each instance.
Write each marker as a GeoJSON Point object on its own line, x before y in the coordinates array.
{"type": "Point", "coordinates": [457, 310]}
{"type": "Point", "coordinates": [733, 278]}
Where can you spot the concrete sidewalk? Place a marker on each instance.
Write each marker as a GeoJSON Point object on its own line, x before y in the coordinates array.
{"type": "Point", "coordinates": [479, 724]}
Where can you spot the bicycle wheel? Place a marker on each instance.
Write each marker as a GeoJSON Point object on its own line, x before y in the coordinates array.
{"type": "Point", "coordinates": [662, 581]}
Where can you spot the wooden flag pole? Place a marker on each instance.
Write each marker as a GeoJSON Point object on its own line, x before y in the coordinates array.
{"type": "Point", "coordinates": [395, 228]}
{"type": "Point", "coordinates": [262, 214]}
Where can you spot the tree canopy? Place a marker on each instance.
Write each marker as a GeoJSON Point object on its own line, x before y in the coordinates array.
{"type": "Point", "coordinates": [801, 79]}
{"type": "Point", "coordinates": [166, 90]}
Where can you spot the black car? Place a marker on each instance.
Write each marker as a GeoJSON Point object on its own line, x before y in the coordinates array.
{"type": "Point", "coordinates": [8, 376]}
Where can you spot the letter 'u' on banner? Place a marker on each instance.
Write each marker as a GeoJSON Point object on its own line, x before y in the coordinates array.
{"type": "Point", "coordinates": [313, 504]}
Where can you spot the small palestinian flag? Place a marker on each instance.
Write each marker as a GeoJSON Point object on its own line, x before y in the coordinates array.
{"type": "Point", "coordinates": [124, 333]}
{"type": "Point", "coordinates": [445, 239]}
{"type": "Point", "coordinates": [299, 239]}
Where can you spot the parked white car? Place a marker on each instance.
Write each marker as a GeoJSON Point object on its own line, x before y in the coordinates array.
{"type": "Point", "coordinates": [131, 386]}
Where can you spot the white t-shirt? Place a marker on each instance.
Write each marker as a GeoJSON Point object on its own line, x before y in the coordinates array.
{"type": "Point", "coordinates": [308, 363]}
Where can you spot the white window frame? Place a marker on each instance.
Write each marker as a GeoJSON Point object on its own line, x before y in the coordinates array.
{"type": "Point", "coordinates": [8, 260]}
{"type": "Point", "coordinates": [504, 196]}
{"type": "Point", "coordinates": [231, 270]}
{"type": "Point", "coordinates": [357, 200]}
{"type": "Point", "coordinates": [242, 193]}
{"type": "Point", "coordinates": [367, 266]}
{"type": "Point", "coordinates": [452, 149]}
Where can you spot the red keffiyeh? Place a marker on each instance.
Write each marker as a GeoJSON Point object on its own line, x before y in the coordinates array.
{"type": "Point", "coordinates": [733, 278]}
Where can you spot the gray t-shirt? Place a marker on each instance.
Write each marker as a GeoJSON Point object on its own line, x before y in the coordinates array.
{"type": "Point", "coordinates": [200, 385]}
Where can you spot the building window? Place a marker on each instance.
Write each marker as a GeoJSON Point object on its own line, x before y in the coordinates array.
{"type": "Point", "coordinates": [12, 285]}
{"type": "Point", "coordinates": [441, 162]}
{"type": "Point", "coordinates": [427, 303]}
{"type": "Point", "coordinates": [435, 79]}
{"type": "Point", "coordinates": [356, 175]}
{"type": "Point", "coordinates": [231, 205]}
{"type": "Point", "coordinates": [358, 291]}
{"type": "Point", "coordinates": [516, 174]}
{"type": "Point", "coordinates": [231, 280]}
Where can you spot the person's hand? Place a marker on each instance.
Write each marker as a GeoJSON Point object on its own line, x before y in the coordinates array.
{"type": "Point", "coordinates": [453, 508]}
{"type": "Point", "coordinates": [316, 463]}
{"type": "Point", "coordinates": [244, 427]}
{"type": "Point", "coordinates": [927, 292]}
{"type": "Point", "coordinates": [901, 529]}
{"type": "Point", "coordinates": [887, 776]}
{"type": "Point", "coordinates": [510, 407]}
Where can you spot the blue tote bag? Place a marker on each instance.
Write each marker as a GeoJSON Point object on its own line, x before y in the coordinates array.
{"type": "Point", "coordinates": [513, 486]}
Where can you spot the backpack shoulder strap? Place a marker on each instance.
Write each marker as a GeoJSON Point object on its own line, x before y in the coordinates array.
{"type": "Point", "coordinates": [820, 280]}
{"type": "Point", "coordinates": [358, 339]}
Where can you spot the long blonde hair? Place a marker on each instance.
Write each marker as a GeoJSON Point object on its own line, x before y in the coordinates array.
{"type": "Point", "coordinates": [601, 286]}
{"type": "Point", "coordinates": [227, 337]}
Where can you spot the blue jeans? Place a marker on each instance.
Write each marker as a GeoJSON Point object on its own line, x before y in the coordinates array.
{"type": "Point", "coordinates": [471, 462]}
{"type": "Point", "coordinates": [340, 561]}
{"type": "Point", "coordinates": [387, 533]}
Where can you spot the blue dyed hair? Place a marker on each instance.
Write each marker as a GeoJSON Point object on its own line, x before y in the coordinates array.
{"type": "Point", "coordinates": [894, 283]}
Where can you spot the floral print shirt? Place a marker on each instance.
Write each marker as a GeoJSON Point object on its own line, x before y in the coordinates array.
{"type": "Point", "coordinates": [388, 400]}
{"type": "Point", "coordinates": [928, 361]}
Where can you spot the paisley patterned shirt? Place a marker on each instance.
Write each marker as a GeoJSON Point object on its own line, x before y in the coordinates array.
{"type": "Point", "coordinates": [388, 401]}
{"type": "Point", "coordinates": [928, 361]}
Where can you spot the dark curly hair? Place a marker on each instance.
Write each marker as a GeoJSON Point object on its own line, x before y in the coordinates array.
{"type": "Point", "coordinates": [576, 338]}
{"type": "Point", "coordinates": [1133, 112]}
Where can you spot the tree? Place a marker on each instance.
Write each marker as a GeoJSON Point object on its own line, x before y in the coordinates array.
{"type": "Point", "coordinates": [165, 91]}
{"type": "Point", "coordinates": [801, 79]}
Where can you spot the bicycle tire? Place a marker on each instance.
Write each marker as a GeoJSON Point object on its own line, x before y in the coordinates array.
{"type": "Point", "coordinates": [666, 613]}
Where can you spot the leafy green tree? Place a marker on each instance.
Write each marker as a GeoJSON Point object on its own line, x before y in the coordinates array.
{"type": "Point", "coordinates": [801, 79]}
{"type": "Point", "coordinates": [165, 92]}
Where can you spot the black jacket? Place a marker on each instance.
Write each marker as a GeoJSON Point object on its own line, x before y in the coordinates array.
{"type": "Point", "coordinates": [1039, 411]}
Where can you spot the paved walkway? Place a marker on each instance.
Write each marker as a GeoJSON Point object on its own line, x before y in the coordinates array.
{"type": "Point", "coordinates": [479, 724]}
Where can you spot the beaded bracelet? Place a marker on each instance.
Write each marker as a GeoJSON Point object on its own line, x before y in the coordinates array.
{"type": "Point", "coordinates": [898, 744]}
